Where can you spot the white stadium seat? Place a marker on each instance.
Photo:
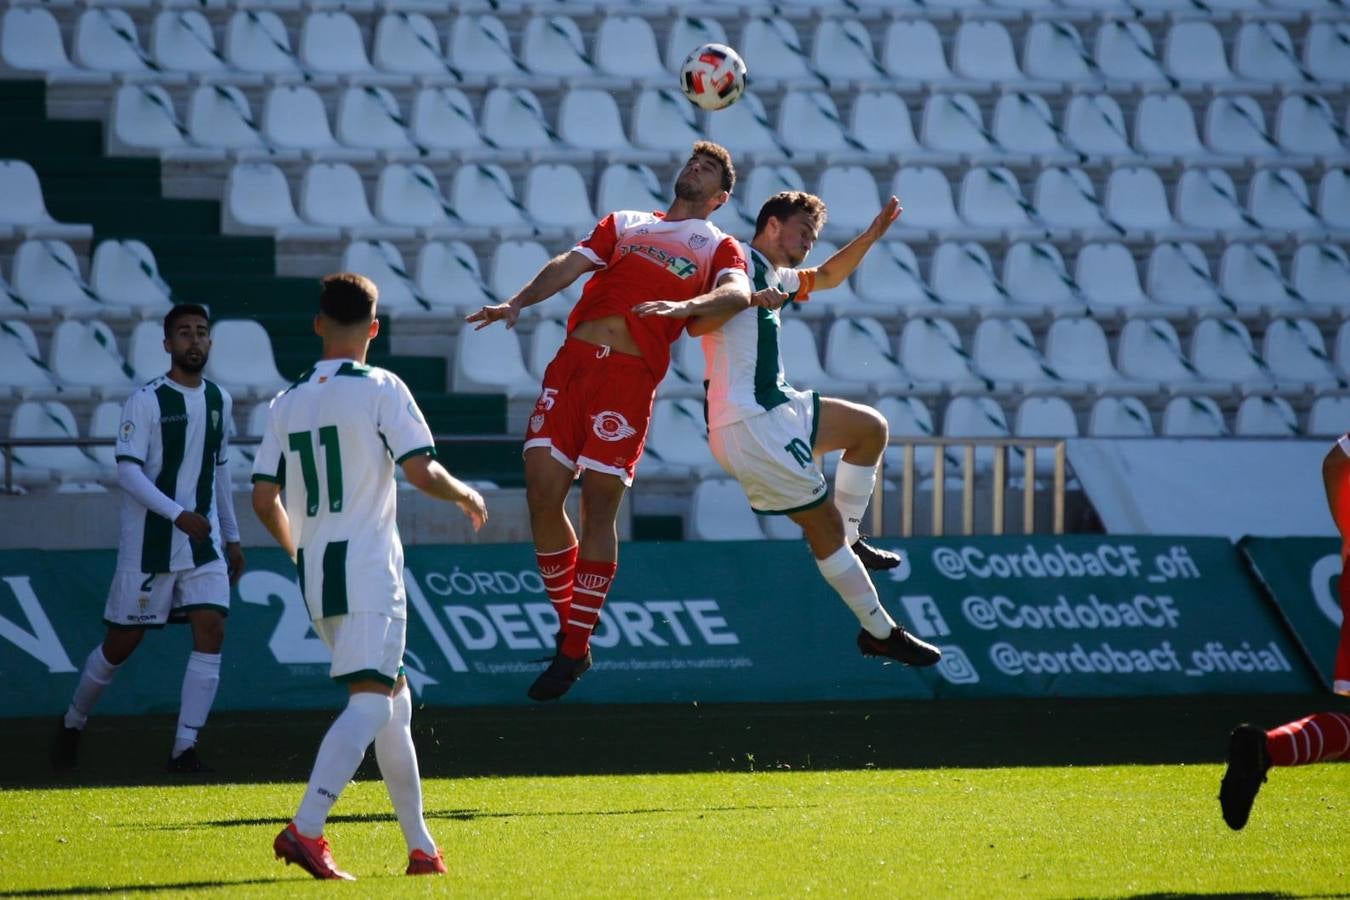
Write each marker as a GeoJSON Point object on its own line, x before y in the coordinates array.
{"type": "Point", "coordinates": [124, 273]}
{"type": "Point", "coordinates": [625, 46]}
{"type": "Point", "coordinates": [720, 512]}
{"type": "Point", "coordinates": [47, 276]}
{"type": "Point", "coordinates": [332, 195]}
{"type": "Point", "coordinates": [407, 43]}
{"type": "Point", "coordinates": [908, 417]}
{"type": "Point", "coordinates": [1179, 276]}
{"type": "Point", "coordinates": [931, 351]}
{"type": "Point", "coordinates": [35, 465]}
{"type": "Point", "coordinates": [913, 50]}
{"type": "Point", "coordinates": [1067, 201]}
{"type": "Point", "coordinates": [546, 339]}
{"type": "Point", "coordinates": [241, 359]}
{"type": "Point", "coordinates": [1045, 417]}
{"type": "Point", "coordinates": [1137, 200]}
{"type": "Point", "coordinates": [105, 423]}
{"type": "Point", "coordinates": [449, 277]}
{"type": "Point", "coordinates": [552, 46]}
{"type": "Point", "coordinates": [1125, 53]}
{"type": "Point", "coordinates": [992, 198]}
{"type": "Point", "coordinates": [1164, 125]}
{"type": "Point", "coordinates": [85, 354]}
{"type": "Point", "coordinates": [1321, 274]}
{"type": "Point", "coordinates": [842, 50]}
{"type": "Point", "coordinates": [486, 189]}
{"type": "Point", "coordinates": [589, 118]}
{"type": "Point", "coordinates": [514, 263]}
{"type": "Point", "coordinates": [382, 263]}
{"type": "Point", "coordinates": [975, 417]}
{"type": "Point", "coordinates": [1326, 51]}
{"type": "Point", "coordinates": [145, 352]}
{"type": "Point", "coordinates": [481, 45]}
{"type": "Point", "coordinates": [490, 362]}
{"type": "Point", "coordinates": [678, 437]}
{"type": "Point", "coordinates": [181, 40]}
{"type": "Point", "coordinates": [664, 120]}
{"type": "Point", "coordinates": [25, 210]}
{"type": "Point", "coordinates": [1235, 125]}
{"type": "Point", "coordinates": [927, 198]}
{"type": "Point", "coordinates": [331, 43]}
{"type": "Point", "coordinates": [801, 359]}
{"type": "Point", "coordinates": [1328, 416]}
{"type": "Point", "coordinates": [30, 41]}
{"type": "Point", "coordinates": [258, 201]}
{"type": "Point", "coordinates": [21, 367]}
{"type": "Point", "coordinates": [1222, 350]}
{"type": "Point", "coordinates": [1149, 350]}
{"type": "Point", "coordinates": [1194, 52]}
{"type": "Point", "coordinates": [219, 116]}
{"type": "Point", "coordinates": [775, 47]}
{"type": "Point", "coordinates": [688, 31]}
{"type": "Point", "coordinates": [963, 276]}
{"type": "Point", "coordinates": [1006, 351]}
{"type": "Point", "coordinates": [1077, 350]}
{"type": "Point", "coordinates": [1094, 124]}
{"type": "Point", "coordinates": [556, 195]}
{"type": "Point", "coordinates": [983, 50]}
{"type": "Point", "coordinates": [294, 118]}
{"type": "Point", "coordinates": [1193, 417]}
{"type": "Point", "coordinates": [1263, 52]}
{"type": "Point", "coordinates": [881, 123]}
{"type": "Point", "coordinates": [889, 277]}
{"type": "Point", "coordinates": [744, 128]}
{"type": "Point", "coordinates": [443, 119]}
{"type": "Point", "coordinates": [1296, 353]}
{"type": "Point", "coordinates": [1037, 279]}
{"type": "Point", "coordinates": [256, 41]}
{"type": "Point", "coordinates": [411, 196]}
{"type": "Point", "coordinates": [106, 40]}
{"type": "Point", "coordinates": [1250, 276]}
{"type": "Point", "coordinates": [1120, 417]}
{"type": "Point", "coordinates": [630, 186]}
{"type": "Point", "coordinates": [1278, 199]}
{"type": "Point", "coordinates": [809, 122]}
{"type": "Point", "coordinates": [1306, 124]}
{"type": "Point", "coordinates": [766, 180]}
{"type": "Point", "coordinates": [513, 118]}
{"type": "Point", "coordinates": [369, 118]}
{"type": "Point", "coordinates": [1023, 123]}
{"type": "Point", "coordinates": [1206, 199]}
{"type": "Point", "coordinates": [1267, 417]}
{"type": "Point", "coordinates": [143, 122]}
{"type": "Point", "coordinates": [1333, 198]}
{"type": "Point", "coordinates": [850, 193]}
{"type": "Point", "coordinates": [859, 350]}
{"type": "Point", "coordinates": [953, 123]}
{"type": "Point", "coordinates": [1054, 51]}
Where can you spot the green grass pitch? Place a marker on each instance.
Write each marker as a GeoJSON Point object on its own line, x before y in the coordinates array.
{"type": "Point", "coordinates": [960, 799]}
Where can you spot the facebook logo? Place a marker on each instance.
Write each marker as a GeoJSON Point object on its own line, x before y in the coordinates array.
{"type": "Point", "coordinates": [956, 667]}
{"type": "Point", "coordinates": [924, 617]}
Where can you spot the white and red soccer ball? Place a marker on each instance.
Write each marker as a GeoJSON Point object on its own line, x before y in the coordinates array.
{"type": "Point", "coordinates": [713, 76]}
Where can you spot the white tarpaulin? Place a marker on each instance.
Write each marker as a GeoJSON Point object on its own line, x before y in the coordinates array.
{"type": "Point", "coordinates": [1201, 487]}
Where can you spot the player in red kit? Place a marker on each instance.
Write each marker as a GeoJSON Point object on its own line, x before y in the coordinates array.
{"type": "Point", "coordinates": [1320, 737]}
{"type": "Point", "coordinates": [596, 399]}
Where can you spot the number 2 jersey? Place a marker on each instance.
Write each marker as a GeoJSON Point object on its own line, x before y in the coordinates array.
{"type": "Point", "coordinates": [177, 435]}
{"type": "Point", "coordinates": [332, 441]}
{"type": "Point", "coordinates": [644, 257]}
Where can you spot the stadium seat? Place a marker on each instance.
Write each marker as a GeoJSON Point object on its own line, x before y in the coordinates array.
{"type": "Point", "coordinates": [719, 511]}
{"type": "Point", "coordinates": [1328, 416]}
{"type": "Point", "coordinates": [1164, 126]}
{"type": "Point", "coordinates": [256, 41]}
{"type": "Point", "coordinates": [258, 201]}
{"type": "Point", "coordinates": [913, 51]}
{"type": "Point", "coordinates": [514, 119]}
{"type": "Point", "coordinates": [1333, 197]}
{"type": "Point", "coordinates": [1193, 417]}
{"type": "Point", "coordinates": [809, 122]}
{"type": "Point", "coordinates": [1137, 201]}
{"type": "Point", "coordinates": [1054, 51]}
{"type": "Point", "coordinates": [145, 352]}
{"type": "Point", "coordinates": [1267, 417]}
{"type": "Point", "coordinates": [688, 31]}
{"type": "Point", "coordinates": [1120, 417]}
{"type": "Point", "coordinates": [333, 196]}
{"type": "Point", "coordinates": [1023, 123]}
{"type": "Point", "coordinates": [294, 119]}
{"type": "Point", "coordinates": [775, 47]}
{"type": "Point", "coordinates": [35, 465]}
{"type": "Point", "coordinates": [124, 273]}
{"type": "Point", "coordinates": [21, 367]}
{"type": "Point", "coordinates": [410, 196]}
{"type": "Point", "coordinates": [486, 189]}
{"type": "Point", "coordinates": [1149, 350]}
{"type": "Point", "coordinates": [859, 350]}
{"type": "Point", "coordinates": [974, 417]}
{"type": "Point", "coordinates": [1037, 279]}
{"type": "Point", "coordinates": [1235, 125]}
{"type": "Point", "coordinates": [382, 263]}
{"type": "Point", "coordinates": [47, 276]}
{"type": "Point", "coordinates": [448, 276]}
{"type": "Point", "coordinates": [1278, 200]}
{"type": "Point", "coordinates": [766, 180]}
{"type": "Point", "coordinates": [143, 122]}
{"type": "Point", "coordinates": [1222, 351]}
{"type": "Point", "coordinates": [1193, 52]}
{"type": "Point", "coordinates": [931, 351]}
{"type": "Point", "coordinates": [839, 300]}
{"type": "Point", "coordinates": [1306, 125]}
{"type": "Point", "coordinates": [1249, 275]}
{"type": "Point", "coordinates": [684, 378]}
{"type": "Point", "coordinates": [927, 198]}
{"type": "Point", "coordinates": [1006, 351]}
{"type": "Point", "coordinates": [1107, 276]}
{"type": "Point", "coordinates": [369, 118]}
{"type": "Point", "coordinates": [85, 354]}
{"type": "Point", "coordinates": [219, 116]}
{"type": "Point", "coordinates": [241, 455]}
{"type": "Point", "coordinates": [1045, 417]}
{"type": "Point", "coordinates": [1094, 124]}
{"type": "Point", "coordinates": [25, 211]}
{"type": "Point", "coordinates": [842, 50]}
{"type": "Point", "coordinates": [181, 40]}
{"type": "Point", "coordinates": [1179, 276]}
{"type": "Point", "coordinates": [241, 359]}
{"type": "Point", "coordinates": [1207, 200]}
{"type": "Point", "coordinates": [625, 46]}
{"type": "Point", "coordinates": [1326, 51]}
{"type": "Point", "coordinates": [992, 198]}
{"type": "Point", "coordinates": [1263, 52]}
{"type": "Point", "coordinates": [544, 342]}
{"type": "Point", "coordinates": [331, 43]}
{"type": "Point", "coordinates": [889, 279]}
{"type": "Point", "coordinates": [963, 276]}
{"type": "Point", "coordinates": [30, 42]}
{"type": "Point", "coordinates": [1297, 355]}
{"type": "Point", "coordinates": [1321, 274]}
{"type": "Point", "coordinates": [589, 119]}
{"type": "Point", "coordinates": [631, 186]}
{"type": "Point", "coordinates": [1077, 350]}
{"type": "Point", "coordinates": [490, 362]}
{"type": "Point", "coordinates": [514, 263]}
{"type": "Point", "coordinates": [106, 40]}
{"type": "Point", "coordinates": [406, 43]}
{"type": "Point", "coordinates": [443, 120]}
{"type": "Point", "coordinates": [907, 417]}
{"type": "Point", "coordinates": [881, 123]}
{"type": "Point", "coordinates": [552, 47]}
{"type": "Point", "coordinates": [1124, 52]}
{"type": "Point", "coordinates": [556, 197]}
{"type": "Point", "coordinates": [850, 193]}
{"type": "Point", "coordinates": [1067, 201]}
{"type": "Point", "coordinates": [982, 50]}
{"type": "Point", "coordinates": [105, 422]}
{"type": "Point", "coordinates": [678, 438]}
{"type": "Point", "coordinates": [953, 123]}
{"type": "Point", "coordinates": [664, 120]}
{"type": "Point", "coordinates": [479, 44]}
{"type": "Point", "coordinates": [744, 128]}
{"type": "Point", "coordinates": [801, 360]}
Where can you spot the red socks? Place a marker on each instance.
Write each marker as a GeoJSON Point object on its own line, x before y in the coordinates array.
{"type": "Point", "coordinates": [557, 569]}
{"type": "Point", "coordinates": [1340, 674]}
{"type": "Point", "coordinates": [592, 583]}
{"type": "Point", "coordinates": [1322, 736]}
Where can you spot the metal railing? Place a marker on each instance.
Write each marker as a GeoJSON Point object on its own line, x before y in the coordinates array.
{"type": "Point", "coordinates": [998, 483]}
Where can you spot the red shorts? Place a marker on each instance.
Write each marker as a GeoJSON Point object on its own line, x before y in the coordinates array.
{"type": "Point", "coordinates": [593, 409]}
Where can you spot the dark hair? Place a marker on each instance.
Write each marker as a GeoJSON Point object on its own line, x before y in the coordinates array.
{"type": "Point", "coordinates": [182, 310]}
{"type": "Point", "coordinates": [785, 204]}
{"type": "Point", "coordinates": [723, 157]}
{"type": "Point", "coordinates": [348, 298]}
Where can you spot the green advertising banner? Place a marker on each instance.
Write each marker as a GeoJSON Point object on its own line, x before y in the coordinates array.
{"type": "Point", "coordinates": [1071, 616]}
{"type": "Point", "coordinates": [1301, 576]}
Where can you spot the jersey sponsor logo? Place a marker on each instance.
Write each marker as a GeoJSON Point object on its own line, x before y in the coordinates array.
{"type": "Point", "coordinates": [611, 426]}
{"type": "Point", "coordinates": [536, 422]}
{"type": "Point", "coordinates": [180, 417]}
{"type": "Point", "coordinates": [679, 266]}
{"type": "Point", "coordinates": [127, 431]}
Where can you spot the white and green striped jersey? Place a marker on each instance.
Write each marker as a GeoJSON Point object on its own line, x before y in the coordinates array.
{"type": "Point", "coordinates": [332, 440]}
{"type": "Point", "coordinates": [178, 435]}
{"type": "Point", "coordinates": [744, 361]}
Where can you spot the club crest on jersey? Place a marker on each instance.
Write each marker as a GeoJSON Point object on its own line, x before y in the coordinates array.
{"type": "Point", "coordinates": [536, 422]}
{"type": "Point", "coordinates": [611, 426]}
{"type": "Point", "coordinates": [125, 433]}
{"type": "Point", "coordinates": [215, 419]}
{"type": "Point", "coordinates": [697, 241]}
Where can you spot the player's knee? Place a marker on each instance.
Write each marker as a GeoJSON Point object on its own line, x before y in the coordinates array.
{"type": "Point", "coordinates": [209, 637]}
{"type": "Point", "coordinates": [121, 643]}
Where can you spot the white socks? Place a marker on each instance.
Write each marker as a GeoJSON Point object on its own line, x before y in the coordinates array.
{"type": "Point", "coordinates": [97, 674]}
{"type": "Point", "coordinates": [199, 691]}
{"type": "Point", "coordinates": [852, 491]}
{"type": "Point", "coordinates": [398, 766]}
{"type": "Point", "coordinates": [340, 755]}
{"type": "Point", "coordinates": [845, 573]}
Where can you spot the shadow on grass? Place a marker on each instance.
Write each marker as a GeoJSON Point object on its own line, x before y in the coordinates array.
{"type": "Point", "coordinates": [105, 889]}
{"type": "Point", "coordinates": [1248, 895]}
{"type": "Point", "coordinates": [582, 739]}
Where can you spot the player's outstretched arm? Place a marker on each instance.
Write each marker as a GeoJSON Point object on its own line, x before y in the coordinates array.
{"type": "Point", "coordinates": [556, 275]}
{"type": "Point", "coordinates": [431, 478]}
{"type": "Point", "coordinates": [270, 511]}
{"type": "Point", "coordinates": [731, 295]}
{"type": "Point", "coordinates": [839, 266]}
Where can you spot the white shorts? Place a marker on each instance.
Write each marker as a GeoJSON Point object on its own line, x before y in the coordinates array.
{"type": "Point", "coordinates": [365, 645]}
{"type": "Point", "coordinates": [771, 456]}
{"type": "Point", "coordinates": [149, 600]}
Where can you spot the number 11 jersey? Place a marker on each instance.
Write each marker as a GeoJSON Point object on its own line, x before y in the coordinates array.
{"type": "Point", "coordinates": [332, 441]}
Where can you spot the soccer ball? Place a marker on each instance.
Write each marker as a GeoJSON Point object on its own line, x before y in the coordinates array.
{"type": "Point", "coordinates": [713, 76]}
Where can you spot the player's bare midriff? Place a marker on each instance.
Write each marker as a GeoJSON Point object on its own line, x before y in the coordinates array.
{"type": "Point", "coordinates": [608, 331]}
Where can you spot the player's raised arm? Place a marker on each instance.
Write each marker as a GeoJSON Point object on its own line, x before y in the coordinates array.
{"type": "Point", "coordinates": [839, 266]}
{"type": "Point", "coordinates": [556, 275]}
